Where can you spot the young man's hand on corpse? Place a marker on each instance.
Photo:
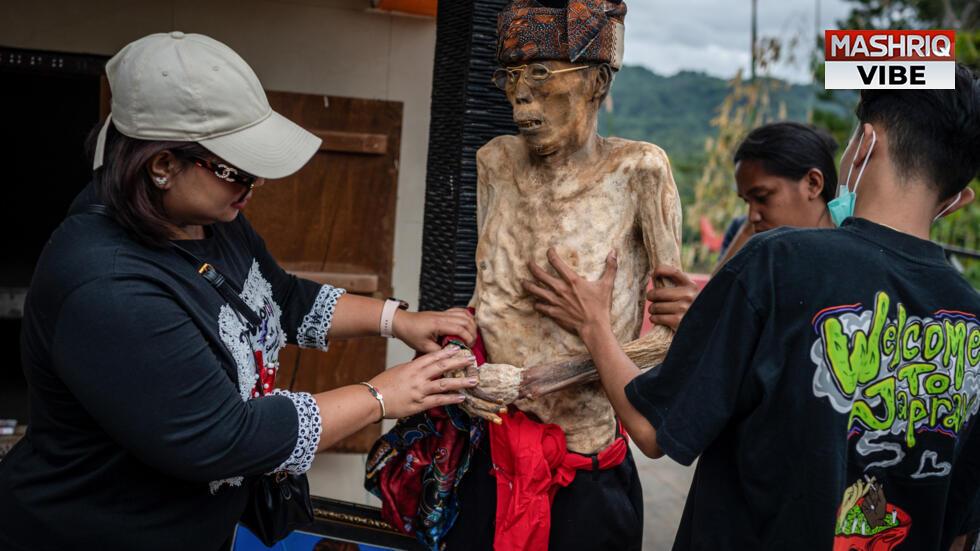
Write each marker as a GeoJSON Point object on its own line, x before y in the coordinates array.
{"type": "Point", "coordinates": [583, 306]}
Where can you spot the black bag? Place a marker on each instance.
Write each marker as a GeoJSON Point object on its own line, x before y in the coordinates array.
{"type": "Point", "coordinates": [279, 503]}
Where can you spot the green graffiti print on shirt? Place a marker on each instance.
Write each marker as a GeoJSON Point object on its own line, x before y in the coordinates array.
{"type": "Point", "coordinates": [858, 361]}
{"type": "Point", "coordinates": [904, 370]}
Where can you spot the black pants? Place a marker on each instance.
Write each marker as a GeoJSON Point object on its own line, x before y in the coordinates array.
{"type": "Point", "coordinates": [599, 510]}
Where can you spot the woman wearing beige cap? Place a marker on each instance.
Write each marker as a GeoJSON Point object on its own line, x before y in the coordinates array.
{"type": "Point", "coordinates": [155, 320]}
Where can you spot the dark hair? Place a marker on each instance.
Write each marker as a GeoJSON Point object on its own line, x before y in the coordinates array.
{"type": "Point", "coordinates": [790, 150]}
{"type": "Point", "coordinates": [123, 182]}
{"type": "Point", "coordinates": [933, 134]}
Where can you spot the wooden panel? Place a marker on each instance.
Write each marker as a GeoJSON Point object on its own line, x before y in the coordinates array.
{"type": "Point", "coordinates": [425, 8]}
{"type": "Point", "coordinates": [340, 208]}
{"type": "Point", "coordinates": [353, 142]}
{"type": "Point", "coordinates": [334, 222]}
{"type": "Point", "coordinates": [356, 279]}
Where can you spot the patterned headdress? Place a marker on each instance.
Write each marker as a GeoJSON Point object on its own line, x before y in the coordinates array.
{"type": "Point", "coordinates": [585, 31]}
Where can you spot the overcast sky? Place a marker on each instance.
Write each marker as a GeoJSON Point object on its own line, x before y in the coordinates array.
{"type": "Point", "coordinates": [713, 36]}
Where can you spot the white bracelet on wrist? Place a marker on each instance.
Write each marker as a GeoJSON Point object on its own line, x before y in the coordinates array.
{"type": "Point", "coordinates": [387, 325]}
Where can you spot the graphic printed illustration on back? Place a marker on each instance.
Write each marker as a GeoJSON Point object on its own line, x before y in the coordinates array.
{"type": "Point", "coordinates": [908, 386]}
{"type": "Point", "coordinates": [867, 522]}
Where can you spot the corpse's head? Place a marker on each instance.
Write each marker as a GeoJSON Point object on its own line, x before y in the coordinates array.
{"type": "Point", "coordinates": [555, 103]}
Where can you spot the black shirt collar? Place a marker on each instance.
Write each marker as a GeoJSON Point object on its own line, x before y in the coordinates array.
{"type": "Point", "coordinates": [902, 243]}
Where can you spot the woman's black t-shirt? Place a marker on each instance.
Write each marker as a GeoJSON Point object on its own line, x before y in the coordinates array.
{"type": "Point", "coordinates": [142, 422]}
{"type": "Point", "coordinates": [829, 381]}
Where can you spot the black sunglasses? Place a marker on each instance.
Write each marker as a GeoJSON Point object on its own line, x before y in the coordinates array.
{"type": "Point", "coordinates": [225, 171]}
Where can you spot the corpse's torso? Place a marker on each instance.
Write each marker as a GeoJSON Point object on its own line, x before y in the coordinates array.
{"type": "Point", "coordinates": [583, 214]}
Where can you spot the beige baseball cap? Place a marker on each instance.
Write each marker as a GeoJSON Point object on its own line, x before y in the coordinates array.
{"type": "Point", "coordinates": [192, 88]}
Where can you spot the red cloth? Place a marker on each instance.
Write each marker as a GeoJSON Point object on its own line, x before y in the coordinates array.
{"type": "Point", "coordinates": [531, 462]}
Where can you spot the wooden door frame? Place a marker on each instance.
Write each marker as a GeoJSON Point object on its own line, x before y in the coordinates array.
{"type": "Point", "coordinates": [334, 223]}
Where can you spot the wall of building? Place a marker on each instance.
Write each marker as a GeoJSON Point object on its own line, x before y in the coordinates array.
{"type": "Point", "coordinates": [330, 47]}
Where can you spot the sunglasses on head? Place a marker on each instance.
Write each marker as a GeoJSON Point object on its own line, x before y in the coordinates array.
{"type": "Point", "coordinates": [224, 171]}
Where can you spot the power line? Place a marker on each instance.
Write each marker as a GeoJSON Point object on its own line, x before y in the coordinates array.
{"type": "Point", "coordinates": [754, 33]}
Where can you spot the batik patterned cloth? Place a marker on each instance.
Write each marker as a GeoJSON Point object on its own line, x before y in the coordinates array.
{"type": "Point", "coordinates": [415, 468]}
{"type": "Point", "coordinates": [585, 31]}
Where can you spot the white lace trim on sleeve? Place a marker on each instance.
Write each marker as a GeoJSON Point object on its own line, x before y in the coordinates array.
{"type": "Point", "coordinates": [307, 432]}
{"type": "Point", "coordinates": [312, 333]}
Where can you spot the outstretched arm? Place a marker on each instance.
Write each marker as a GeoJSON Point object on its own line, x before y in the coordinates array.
{"type": "Point", "coordinates": [542, 379]}
{"type": "Point", "coordinates": [667, 307]}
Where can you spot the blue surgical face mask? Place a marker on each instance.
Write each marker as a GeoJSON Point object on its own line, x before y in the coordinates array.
{"type": "Point", "coordinates": [842, 207]}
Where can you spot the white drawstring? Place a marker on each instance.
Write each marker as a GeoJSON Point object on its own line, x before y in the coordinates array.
{"type": "Point", "coordinates": [100, 143]}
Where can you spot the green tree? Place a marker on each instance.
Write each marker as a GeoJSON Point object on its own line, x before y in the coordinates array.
{"type": "Point", "coordinates": [913, 14]}
{"type": "Point", "coordinates": [749, 104]}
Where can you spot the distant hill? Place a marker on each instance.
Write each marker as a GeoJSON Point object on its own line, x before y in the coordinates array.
{"type": "Point", "coordinates": [675, 112]}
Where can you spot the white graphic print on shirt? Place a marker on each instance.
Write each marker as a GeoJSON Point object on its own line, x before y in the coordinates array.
{"type": "Point", "coordinates": [268, 339]}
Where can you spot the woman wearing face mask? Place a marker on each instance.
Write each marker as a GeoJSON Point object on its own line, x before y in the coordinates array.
{"type": "Point", "coordinates": [156, 316]}
{"type": "Point", "coordinates": [785, 173]}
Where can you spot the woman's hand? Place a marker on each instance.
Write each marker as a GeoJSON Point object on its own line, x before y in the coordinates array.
{"type": "Point", "coordinates": [669, 304]}
{"type": "Point", "coordinates": [574, 303]}
{"type": "Point", "coordinates": [422, 330]}
{"type": "Point", "coordinates": [420, 384]}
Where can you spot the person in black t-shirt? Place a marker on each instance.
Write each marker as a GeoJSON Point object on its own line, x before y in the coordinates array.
{"type": "Point", "coordinates": [152, 405]}
{"type": "Point", "coordinates": [828, 379]}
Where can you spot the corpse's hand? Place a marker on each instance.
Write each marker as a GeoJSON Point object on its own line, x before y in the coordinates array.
{"type": "Point", "coordinates": [420, 384]}
{"type": "Point", "coordinates": [422, 330]}
{"type": "Point", "coordinates": [669, 304]}
{"type": "Point", "coordinates": [572, 301]}
{"type": "Point", "coordinates": [499, 385]}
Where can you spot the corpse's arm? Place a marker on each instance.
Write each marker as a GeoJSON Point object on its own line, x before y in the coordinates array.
{"type": "Point", "coordinates": [489, 400]}
{"type": "Point", "coordinates": [659, 212]}
{"type": "Point", "coordinates": [545, 378]}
